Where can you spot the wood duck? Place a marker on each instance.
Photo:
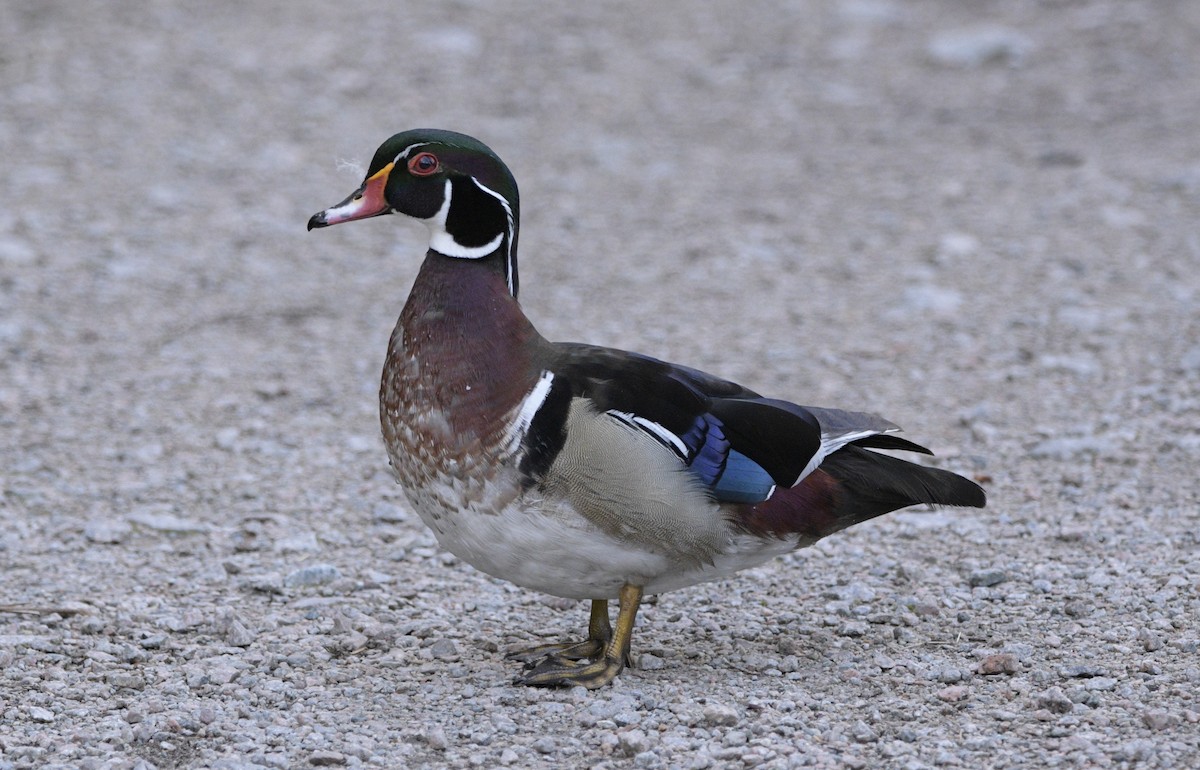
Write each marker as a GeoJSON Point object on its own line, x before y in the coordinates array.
{"type": "Point", "coordinates": [582, 471]}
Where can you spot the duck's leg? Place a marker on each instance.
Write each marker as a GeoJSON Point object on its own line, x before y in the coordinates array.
{"type": "Point", "coordinates": [599, 634]}
{"type": "Point", "coordinates": [557, 671]}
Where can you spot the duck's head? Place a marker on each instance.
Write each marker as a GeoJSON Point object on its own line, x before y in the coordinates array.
{"type": "Point", "coordinates": [453, 183]}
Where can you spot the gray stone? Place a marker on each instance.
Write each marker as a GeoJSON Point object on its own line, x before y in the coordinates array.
{"type": "Point", "coordinates": [863, 733]}
{"type": "Point", "coordinates": [237, 634]}
{"type": "Point", "coordinates": [949, 675]}
{"type": "Point", "coordinates": [1151, 641]}
{"type": "Point", "coordinates": [153, 642]}
{"type": "Point", "coordinates": [1158, 719]}
{"type": "Point", "coordinates": [954, 693]}
{"type": "Point", "coordinates": [39, 714]}
{"type": "Point", "coordinates": [1081, 671]}
{"type": "Point", "coordinates": [132, 680]}
{"type": "Point", "coordinates": [315, 575]}
{"type": "Point", "coordinates": [324, 758]}
{"type": "Point", "coordinates": [1055, 701]}
{"type": "Point", "coordinates": [389, 513]}
{"type": "Point", "coordinates": [444, 649]}
{"type": "Point", "coordinates": [987, 577]}
{"type": "Point", "coordinates": [435, 738]}
{"type": "Point", "coordinates": [999, 663]}
{"type": "Point", "coordinates": [633, 741]}
{"type": "Point", "coordinates": [720, 714]}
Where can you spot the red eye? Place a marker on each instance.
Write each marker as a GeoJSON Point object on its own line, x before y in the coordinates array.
{"type": "Point", "coordinates": [423, 164]}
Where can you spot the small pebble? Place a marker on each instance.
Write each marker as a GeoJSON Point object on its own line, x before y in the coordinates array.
{"type": "Point", "coordinates": [1055, 701]}
{"type": "Point", "coordinates": [435, 738]}
{"type": "Point", "coordinates": [1081, 671]}
{"type": "Point", "coordinates": [322, 758]}
{"type": "Point", "coordinates": [949, 675]}
{"type": "Point", "coordinates": [863, 733]}
{"type": "Point", "coordinates": [1151, 642]}
{"type": "Point", "coordinates": [1157, 719]}
{"type": "Point", "coordinates": [987, 577]}
{"type": "Point", "coordinates": [315, 575]}
{"type": "Point", "coordinates": [129, 679]}
{"type": "Point", "coordinates": [109, 531]}
{"type": "Point", "coordinates": [720, 715]}
{"type": "Point", "coordinates": [632, 742]}
{"type": "Point", "coordinates": [1137, 750]}
{"type": "Point", "coordinates": [237, 635]}
{"type": "Point", "coordinates": [153, 642]}
{"type": "Point", "coordinates": [444, 649]}
{"type": "Point", "coordinates": [1100, 684]}
{"type": "Point", "coordinates": [1000, 663]}
{"type": "Point", "coordinates": [954, 693]}
{"type": "Point", "coordinates": [39, 714]}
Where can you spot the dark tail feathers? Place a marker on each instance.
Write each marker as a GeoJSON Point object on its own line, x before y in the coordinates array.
{"type": "Point", "coordinates": [872, 484]}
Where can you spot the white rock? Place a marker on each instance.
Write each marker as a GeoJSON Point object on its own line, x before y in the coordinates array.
{"type": "Point", "coordinates": [106, 530]}
{"type": "Point", "coordinates": [39, 714]}
{"type": "Point", "coordinates": [978, 46]}
{"type": "Point", "coordinates": [166, 522]}
{"type": "Point", "coordinates": [315, 575]}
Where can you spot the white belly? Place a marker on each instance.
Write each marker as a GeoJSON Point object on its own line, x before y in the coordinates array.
{"type": "Point", "coordinates": [548, 547]}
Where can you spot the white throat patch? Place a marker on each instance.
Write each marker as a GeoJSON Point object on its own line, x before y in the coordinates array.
{"type": "Point", "coordinates": [441, 241]}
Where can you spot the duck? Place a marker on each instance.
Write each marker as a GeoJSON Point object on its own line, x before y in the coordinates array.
{"type": "Point", "coordinates": [582, 471]}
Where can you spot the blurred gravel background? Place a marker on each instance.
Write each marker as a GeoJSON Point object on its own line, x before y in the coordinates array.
{"type": "Point", "coordinates": [978, 219]}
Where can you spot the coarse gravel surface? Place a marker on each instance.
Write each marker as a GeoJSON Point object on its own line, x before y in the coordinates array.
{"type": "Point", "coordinates": [981, 220]}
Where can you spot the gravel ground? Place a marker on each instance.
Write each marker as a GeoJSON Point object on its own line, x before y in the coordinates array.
{"type": "Point", "coordinates": [978, 219]}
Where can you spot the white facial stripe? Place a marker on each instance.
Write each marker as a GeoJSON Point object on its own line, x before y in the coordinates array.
{"type": "Point", "coordinates": [509, 216]}
{"type": "Point", "coordinates": [441, 241]}
{"type": "Point", "coordinates": [515, 433]}
{"type": "Point", "coordinates": [656, 430]}
{"type": "Point", "coordinates": [404, 153]}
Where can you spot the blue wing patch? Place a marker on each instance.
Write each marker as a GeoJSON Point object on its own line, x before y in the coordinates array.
{"type": "Point", "coordinates": [707, 448]}
{"type": "Point", "coordinates": [744, 481]}
{"type": "Point", "coordinates": [730, 475]}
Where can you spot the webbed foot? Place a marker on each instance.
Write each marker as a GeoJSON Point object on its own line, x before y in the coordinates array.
{"type": "Point", "coordinates": [608, 651]}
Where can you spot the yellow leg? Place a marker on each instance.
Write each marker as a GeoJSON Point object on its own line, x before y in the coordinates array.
{"type": "Point", "coordinates": [559, 671]}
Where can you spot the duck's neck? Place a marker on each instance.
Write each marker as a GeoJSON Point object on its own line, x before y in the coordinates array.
{"type": "Point", "coordinates": [462, 346]}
